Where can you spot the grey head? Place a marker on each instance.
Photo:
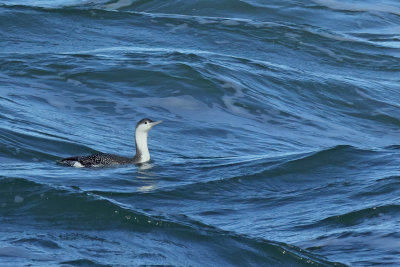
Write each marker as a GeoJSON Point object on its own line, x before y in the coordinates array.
{"type": "Point", "coordinates": [144, 121]}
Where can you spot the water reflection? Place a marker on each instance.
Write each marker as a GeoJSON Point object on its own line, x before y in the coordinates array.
{"type": "Point", "coordinates": [149, 184]}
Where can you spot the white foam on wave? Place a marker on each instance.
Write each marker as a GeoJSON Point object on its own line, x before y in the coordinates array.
{"type": "Point", "coordinates": [230, 100]}
{"type": "Point", "coordinates": [119, 4]}
{"type": "Point", "coordinates": [230, 22]}
{"type": "Point", "coordinates": [205, 20]}
{"type": "Point", "coordinates": [18, 199]}
{"type": "Point", "coordinates": [50, 3]}
{"type": "Point", "coordinates": [175, 103]}
{"type": "Point", "coordinates": [338, 37]}
{"type": "Point", "coordinates": [188, 107]}
{"type": "Point", "coordinates": [74, 82]}
{"type": "Point", "coordinates": [222, 42]}
{"type": "Point", "coordinates": [182, 26]}
{"type": "Point", "coordinates": [348, 37]}
{"type": "Point", "coordinates": [326, 51]}
{"type": "Point", "coordinates": [359, 7]}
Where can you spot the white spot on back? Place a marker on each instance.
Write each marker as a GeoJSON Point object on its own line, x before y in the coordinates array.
{"type": "Point", "coordinates": [77, 165]}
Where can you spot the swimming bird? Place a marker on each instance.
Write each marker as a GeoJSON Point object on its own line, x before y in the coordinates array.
{"type": "Point", "coordinates": [98, 160]}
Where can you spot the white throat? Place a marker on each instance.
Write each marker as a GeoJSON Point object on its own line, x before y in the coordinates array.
{"type": "Point", "coordinates": [142, 150]}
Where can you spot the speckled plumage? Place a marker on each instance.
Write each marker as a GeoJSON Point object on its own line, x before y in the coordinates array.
{"type": "Point", "coordinates": [98, 160]}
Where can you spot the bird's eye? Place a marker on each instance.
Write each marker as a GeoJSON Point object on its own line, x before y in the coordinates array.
{"type": "Point", "coordinates": [145, 122]}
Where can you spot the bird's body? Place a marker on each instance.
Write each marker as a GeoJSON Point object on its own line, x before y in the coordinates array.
{"type": "Point", "coordinates": [97, 160]}
{"type": "Point", "coordinates": [102, 159]}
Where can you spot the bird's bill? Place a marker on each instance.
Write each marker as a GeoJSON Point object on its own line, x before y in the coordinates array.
{"type": "Point", "coordinates": [155, 123]}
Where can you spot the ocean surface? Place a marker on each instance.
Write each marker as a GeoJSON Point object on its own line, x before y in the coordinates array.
{"type": "Point", "coordinates": [280, 141]}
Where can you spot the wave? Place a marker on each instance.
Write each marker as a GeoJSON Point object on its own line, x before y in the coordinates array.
{"type": "Point", "coordinates": [143, 5]}
{"type": "Point", "coordinates": [176, 6]}
{"type": "Point", "coordinates": [63, 209]}
{"type": "Point", "coordinates": [359, 7]}
{"type": "Point", "coordinates": [344, 96]}
{"type": "Point", "coordinates": [265, 172]}
{"type": "Point", "coordinates": [244, 14]}
{"type": "Point", "coordinates": [269, 109]}
{"type": "Point", "coordinates": [249, 25]}
{"type": "Point", "coordinates": [357, 217]}
{"type": "Point", "coordinates": [84, 262]}
{"type": "Point", "coordinates": [36, 146]}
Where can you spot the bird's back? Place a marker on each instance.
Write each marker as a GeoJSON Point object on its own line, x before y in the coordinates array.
{"type": "Point", "coordinates": [96, 160]}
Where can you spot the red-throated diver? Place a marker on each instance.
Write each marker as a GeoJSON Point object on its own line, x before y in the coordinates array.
{"type": "Point", "coordinates": [98, 160]}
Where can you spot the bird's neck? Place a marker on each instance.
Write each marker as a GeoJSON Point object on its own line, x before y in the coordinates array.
{"type": "Point", "coordinates": [142, 150]}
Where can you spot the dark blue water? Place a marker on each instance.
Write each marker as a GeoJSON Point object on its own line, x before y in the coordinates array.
{"type": "Point", "coordinates": [279, 146]}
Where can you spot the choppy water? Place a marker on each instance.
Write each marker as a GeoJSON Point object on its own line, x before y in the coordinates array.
{"type": "Point", "coordinates": [279, 147]}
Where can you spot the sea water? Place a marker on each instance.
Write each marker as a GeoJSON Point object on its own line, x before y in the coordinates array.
{"type": "Point", "coordinates": [279, 147]}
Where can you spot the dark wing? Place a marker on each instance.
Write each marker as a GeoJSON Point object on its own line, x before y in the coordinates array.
{"type": "Point", "coordinates": [96, 160]}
